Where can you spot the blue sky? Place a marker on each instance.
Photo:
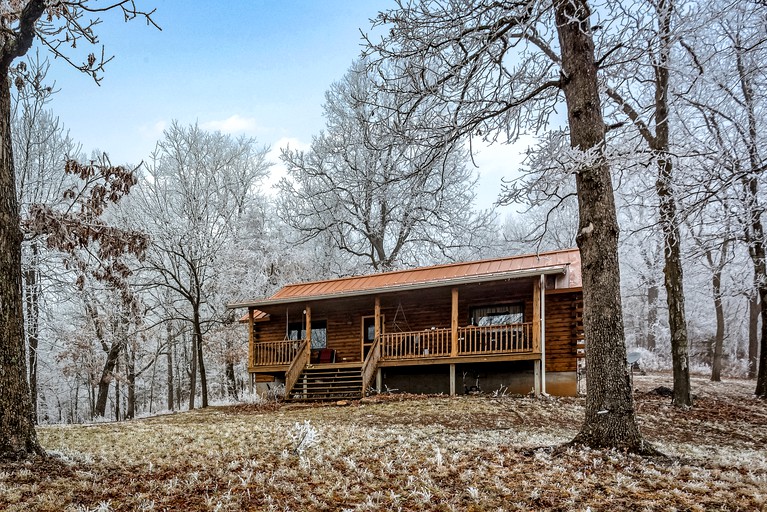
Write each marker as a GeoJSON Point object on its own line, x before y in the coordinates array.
{"type": "Point", "coordinates": [258, 67]}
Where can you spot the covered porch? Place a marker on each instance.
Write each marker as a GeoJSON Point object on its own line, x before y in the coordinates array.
{"type": "Point", "coordinates": [486, 322]}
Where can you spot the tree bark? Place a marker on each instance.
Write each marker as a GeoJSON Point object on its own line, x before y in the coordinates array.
{"type": "Point", "coordinates": [170, 349]}
{"type": "Point", "coordinates": [117, 394]}
{"type": "Point", "coordinates": [17, 427]}
{"type": "Point", "coordinates": [754, 230]}
{"type": "Point", "coordinates": [754, 312]}
{"type": "Point", "coordinates": [193, 372]}
{"type": "Point", "coordinates": [130, 367]}
{"type": "Point", "coordinates": [672, 272]}
{"type": "Point", "coordinates": [672, 269]}
{"type": "Point", "coordinates": [32, 300]}
{"type": "Point", "coordinates": [652, 317]}
{"type": "Point", "coordinates": [107, 373]}
{"type": "Point", "coordinates": [610, 417]}
{"type": "Point", "coordinates": [200, 361]}
{"type": "Point", "coordinates": [716, 286]}
{"type": "Point", "coordinates": [231, 380]}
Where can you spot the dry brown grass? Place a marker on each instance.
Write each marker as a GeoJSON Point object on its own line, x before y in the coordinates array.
{"type": "Point", "coordinates": [418, 453]}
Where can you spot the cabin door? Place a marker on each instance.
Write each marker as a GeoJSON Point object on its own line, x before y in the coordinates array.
{"type": "Point", "coordinates": [368, 334]}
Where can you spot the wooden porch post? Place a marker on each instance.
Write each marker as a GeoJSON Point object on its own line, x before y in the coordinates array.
{"type": "Point", "coordinates": [308, 313]}
{"type": "Point", "coordinates": [537, 315]}
{"type": "Point", "coordinates": [377, 319]}
{"type": "Point", "coordinates": [251, 347]}
{"type": "Point", "coordinates": [454, 329]}
{"type": "Point", "coordinates": [537, 335]}
{"type": "Point", "coordinates": [542, 286]}
{"type": "Point", "coordinates": [452, 380]}
{"type": "Point", "coordinates": [379, 380]}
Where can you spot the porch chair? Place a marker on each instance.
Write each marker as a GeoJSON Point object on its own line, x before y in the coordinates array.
{"type": "Point", "coordinates": [327, 355]}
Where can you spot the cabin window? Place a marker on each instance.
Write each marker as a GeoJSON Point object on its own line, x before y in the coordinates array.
{"type": "Point", "coordinates": [498, 315]}
{"type": "Point", "coordinates": [296, 331]}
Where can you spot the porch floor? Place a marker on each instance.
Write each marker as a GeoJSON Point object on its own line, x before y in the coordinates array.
{"type": "Point", "coordinates": [414, 361]}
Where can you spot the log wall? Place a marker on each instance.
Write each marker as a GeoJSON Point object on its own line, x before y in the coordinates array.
{"type": "Point", "coordinates": [424, 309]}
{"type": "Point", "coordinates": [564, 330]}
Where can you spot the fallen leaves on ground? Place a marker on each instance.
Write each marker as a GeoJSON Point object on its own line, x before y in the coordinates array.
{"type": "Point", "coordinates": [405, 452]}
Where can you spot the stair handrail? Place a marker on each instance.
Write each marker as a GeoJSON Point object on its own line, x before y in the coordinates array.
{"type": "Point", "coordinates": [303, 354]}
{"type": "Point", "coordinates": [370, 364]}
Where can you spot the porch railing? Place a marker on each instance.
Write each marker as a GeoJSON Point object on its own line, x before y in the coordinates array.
{"type": "Point", "coordinates": [266, 353]}
{"type": "Point", "coordinates": [495, 339]}
{"type": "Point", "coordinates": [297, 366]}
{"type": "Point", "coordinates": [415, 344]}
{"type": "Point", "coordinates": [472, 340]}
{"type": "Point", "coordinates": [370, 364]}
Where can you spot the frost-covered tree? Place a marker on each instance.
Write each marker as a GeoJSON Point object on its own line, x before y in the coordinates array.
{"type": "Point", "coordinates": [640, 84]}
{"type": "Point", "coordinates": [729, 98]}
{"type": "Point", "coordinates": [493, 69]}
{"type": "Point", "coordinates": [198, 189]}
{"type": "Point", "coordinates": [375, 192]}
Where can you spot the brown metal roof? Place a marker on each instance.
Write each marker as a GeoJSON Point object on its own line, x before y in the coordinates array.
{"type": "Point", "coordinates": [566, 262]}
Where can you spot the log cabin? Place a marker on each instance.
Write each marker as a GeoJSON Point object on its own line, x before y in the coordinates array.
{"type": "Point", "coordinates": [512, 324]}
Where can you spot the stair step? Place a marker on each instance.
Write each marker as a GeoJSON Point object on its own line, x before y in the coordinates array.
{"type": "Point", "coordinates": [326, 398]}
{"type": "Point", "coordinates": [331, 373]}
{"type": "Point", "coordinates": [327, 389]}
{"type": "Point", "coordinates": [313, 383]}
{"type": "Point", "coordinates": [330, 379]}
{"type": "Point", "coordinates": [328, 384]}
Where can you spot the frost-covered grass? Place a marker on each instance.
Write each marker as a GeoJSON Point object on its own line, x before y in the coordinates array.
{"type": "Point", "coordinates": [406, 453]}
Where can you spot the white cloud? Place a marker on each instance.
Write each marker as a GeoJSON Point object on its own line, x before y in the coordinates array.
{"type": "Point", "coordinates": [233, 125]}
{"type": "Point", "coordinates": [278, 170]}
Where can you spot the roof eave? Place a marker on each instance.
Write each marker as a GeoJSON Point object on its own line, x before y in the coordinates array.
{"type": "Point", "coordinates": [500, 276]}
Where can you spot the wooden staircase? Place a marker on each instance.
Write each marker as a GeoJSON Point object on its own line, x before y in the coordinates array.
{"type": "Point", "coordinates": [326, 383]}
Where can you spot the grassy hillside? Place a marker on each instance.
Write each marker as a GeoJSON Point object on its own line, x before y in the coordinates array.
{"type": "Point", "coordinates": [404, 452]}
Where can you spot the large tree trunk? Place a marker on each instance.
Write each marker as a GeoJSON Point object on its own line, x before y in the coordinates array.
{"type": "Point", "coordinates": [117, 395]}
{"type": "Point", "coordinates": [652, 316]}
{"type": "Point", "coordinates": [203, 375]}
{"type": "Point", "coordinates": [610, 418]}
{"type": "Point", "coordinates": [32, 300]}
{"type": "Point", "coordinates": [754, 311]}
{"type": "Point", "coordinates": [200, 360]}
{"type": "Point", "coordinates": [193, 372]}
{"type": "Point", "coordinates": [754, 230]}
{"type": "Point", "coordinates": [231, 381]}
{"type": "Point", "coordinates": [170, 349]}
{"type": "Point", "coordinates": [755, 237]}
{"type": "Point", "coordinates": [17, 427]}
{"type": "Point", "coordinates": [672, 271]}
{"type": "Point", "coordinates": [107, 373]}
{"type": "Point", "coordinates": [716, 285]}
{"type": "Point", "coordinates": [130, 367]}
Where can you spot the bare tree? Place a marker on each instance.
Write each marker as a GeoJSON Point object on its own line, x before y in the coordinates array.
{"type": "Point", "coordinates": [651, 64]}
{"type": "Point", "coordinates": [198, 189]}
{"type": "Point", "coordinates": [730, 101]}
{"type": "Point", "coordinates": [493, 69]}
{"type": "Point", "coordinates": [375, 193]}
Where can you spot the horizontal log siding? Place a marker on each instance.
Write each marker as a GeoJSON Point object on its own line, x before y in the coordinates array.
{"type": "Point", "coordinates": [564, 330]}
{"type": "Point", "coordinates": [425, 309]}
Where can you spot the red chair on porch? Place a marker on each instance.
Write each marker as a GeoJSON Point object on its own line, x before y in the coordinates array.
{"type": "Point", "coordinates": [327, 355]}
